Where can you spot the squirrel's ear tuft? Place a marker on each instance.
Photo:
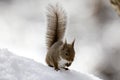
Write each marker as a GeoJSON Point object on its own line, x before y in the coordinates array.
{"type": "Point", "coordinates": [64, 45]}
{"type": "Point", "coordinates": [73, 43]}
{"type": "Point", "coordinates": [65, 41]}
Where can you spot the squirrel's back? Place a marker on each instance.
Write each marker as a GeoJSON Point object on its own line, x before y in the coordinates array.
{"type": "Point", "coordinates": [56, 24]}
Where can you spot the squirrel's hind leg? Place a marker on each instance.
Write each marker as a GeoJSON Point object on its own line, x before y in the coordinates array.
{"type": "Point", "coordinates": [50, 65]}
{"type": "Point", "coordinates": [56, 66]}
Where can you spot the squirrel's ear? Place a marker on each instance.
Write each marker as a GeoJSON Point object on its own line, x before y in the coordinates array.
{"type": "Point", "coordinates": [65, 41]}
{"type": "Point", "coordinates": [73, 43]}
{"type": "Point", "coordinates": [64, 44]}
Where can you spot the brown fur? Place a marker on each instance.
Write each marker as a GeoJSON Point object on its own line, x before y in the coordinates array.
{"type": "Point", "coordinates": [116, 5]}
{"type": "Point", "coordinates": [57, 49]}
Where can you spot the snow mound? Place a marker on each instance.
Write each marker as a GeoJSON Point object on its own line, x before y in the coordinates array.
{"type": "Point", "coordinates": [14, 67]}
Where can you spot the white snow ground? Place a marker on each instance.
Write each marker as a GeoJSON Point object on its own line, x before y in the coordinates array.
{"type": "Point", "coordinates": [14, 67]}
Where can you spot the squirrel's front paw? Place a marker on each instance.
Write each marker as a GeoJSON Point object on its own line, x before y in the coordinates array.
{"type": "Point", "coordinates": [57, 69]}
{"type": "Point", "coordinates": [66, 68]}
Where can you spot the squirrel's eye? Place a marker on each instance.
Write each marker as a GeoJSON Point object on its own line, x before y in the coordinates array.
{"type": "Point", "coordinates": [66, 54]}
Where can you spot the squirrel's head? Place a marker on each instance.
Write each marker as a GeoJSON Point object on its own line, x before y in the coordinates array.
{"type": "Point", "coordinates": [67, 51]}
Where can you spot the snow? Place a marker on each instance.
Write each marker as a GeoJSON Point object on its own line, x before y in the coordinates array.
{"type": "Point", "coordinates": [13, 67]}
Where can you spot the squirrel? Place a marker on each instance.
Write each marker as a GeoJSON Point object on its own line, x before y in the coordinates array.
{"type": "Point", "coordinates": [60, 54]}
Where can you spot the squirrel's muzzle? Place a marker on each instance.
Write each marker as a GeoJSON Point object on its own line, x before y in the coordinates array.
{"type": "Point", "coordinates": [67, 64]}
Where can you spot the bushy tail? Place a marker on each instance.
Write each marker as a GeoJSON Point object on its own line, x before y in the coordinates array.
{"type": "Point", "coordinates": [56, 24]}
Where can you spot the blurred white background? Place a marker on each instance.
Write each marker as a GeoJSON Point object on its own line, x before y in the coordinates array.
{"type": "Point", "coordinates": [93, 23]}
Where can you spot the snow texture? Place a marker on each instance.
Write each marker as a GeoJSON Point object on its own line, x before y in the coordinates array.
{"type": "Point", "coordinates": [13, 67]}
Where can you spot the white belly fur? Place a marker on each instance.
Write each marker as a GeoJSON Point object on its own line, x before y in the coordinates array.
{"type": "Point", "coordinates": [62, 62]}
